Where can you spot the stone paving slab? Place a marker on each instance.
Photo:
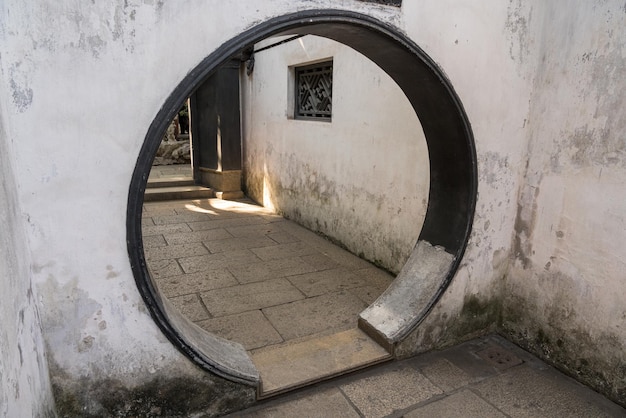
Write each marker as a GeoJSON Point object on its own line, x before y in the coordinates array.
{"type": "Point", "coordinates": [182, 218]}
{"type": "Point", "coordinates": [153, 241]}
{"type": "Point", "coordinates": [445, 375]}
{"type": "Point", "coordinates": [320, 261]}
{"type": "Point", "coordinates": [224, 259]}
{"type": "Point", "coordinates": [367, 294]}
{"type": "Point", "coordinates": [152, 229]}
{"type": "Point", "coordinates": [231, 244]}
{"type": "Point", "coordinates": [330, 403]}
{"type": "Point", "coordinates": [191, 306]}
{"type": "Point", "coordinates": [278, 251]}
{"type": "Point", "coordinates": [326, 281]}
{"type": "Point", "coordinates": [527, 392]}
{"type": "Point", "coordinates": [255, 230]}
{"type": "Point", "coordinates": [282, 237]}
{"type": "Point", "coordinates": [268, 270]}
{"type": "Point", "coordinates": [162, 210]}
{"type": "Point", "coordinates": [394, 389]}
{"type": "Point", "coordinates": [164, 268]}
{"type": "Point", "coordinates": [247, 297]}
{"type": "Point", "coordinates": [463, 404]}
{"type": "Point", "coordinates": [227, 223]}
{"type": "Point", "coordinates": [251, 329]}
{"type": "Point", "coordinates": [175, 251]}
{"type": "Point", "coordinates": [184, 284]}
{"type": "Point", "coordinates": [197, 236]}
{"type": "Point", "coordinates": [337, 311]}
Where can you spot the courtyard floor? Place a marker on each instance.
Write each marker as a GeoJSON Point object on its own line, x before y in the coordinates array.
{"type": "Point", "coordinates": [484, 378]}
{"type": "Point", "coordinates": [243, 273]}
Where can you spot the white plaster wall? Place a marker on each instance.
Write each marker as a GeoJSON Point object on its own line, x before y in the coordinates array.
{"type": "Point", "coordinates": [569, 275]}
{"type": "Point", "coordinates": [82, 81]}
{"type": "Point", "coordinates": [25, 388]}
{"type": "Point", "coordinates": [362, 178]}
{"type": "Point", "coordinates": [487, 50]}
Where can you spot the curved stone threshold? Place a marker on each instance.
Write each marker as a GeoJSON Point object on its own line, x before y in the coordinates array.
{"type": "Point", "coordinates": [409, 298]}
{"type": "Point", "coordinates": [227, 358]}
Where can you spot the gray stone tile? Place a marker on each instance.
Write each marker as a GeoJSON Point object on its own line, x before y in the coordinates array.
{"type": "Point", "coordinates": [323, 245]}
{"type": "Point", "coordinates": [525, 392]}
{"type": "Point", "coordinates": [463, 404]}
{"type": "Point", "coordinates": [204, 206]}
{"type": "Point", "coordinates": [190, 306]}
{"type": "Point", "coordinates": [394, 389]}
{"type": "Point", "coordinates": [225, 259]}
{"type": "Point", "coordinates": [320, 282]}
{"type": "Point", "coordinates": [197, 236]}
{"type": "Point", "coordinates": [367, 294]}
{"type": "Point", "coordinates": [227, 223]}
{"type": "Point", "coordinates": [164, 229]}
{"type": "Point", "coordinates": [320, 261]}
{"type": "Point", "coordinates": [445, 375]}
{"type": "Point", "coordinates": [347, 259]}
{"type": "Point", "coordinates": [163, 268]}
{"type": "Point", "coordinates": [293, 249]}
{"type": "Point", "coordinates": [254, 230]}
{"type": "Point", "coordinates": [324, 404]}
{"type": "Point", "coordinates": [337, 311]}
{"type": "Point", "coordinates": [302, 233]}
{"type": "Point", "coordinates": [153, 241]}
{"type": "Point", "coordinates": [376, 277]}
{"type": "Point", "coordinates": [464, 356]}
{"type": "Point", "coordinates": [247, 297]}
{"type": "Point", "coordinates": [182, 218]}
{"type": "Point", "coordinates": [251, 329]}
{"type": "Point", "coordinates": [337, 254]}
{"type": "Point", "coordinates": [232, 244]}
{"type": "Point", "coordinates": [271, 217]}
{"type": "Point", "coordinates": [196, 282]}
{"type": "Point", "coordinates": [175, 251]}
{"type": "Point", "coordinates": [159, 210]}
{"type": "Point", "coordinates": [268, 270]}
{"type": "Point", "coordinates": [282, 237]}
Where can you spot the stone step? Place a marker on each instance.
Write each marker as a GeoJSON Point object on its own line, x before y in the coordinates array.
{"type": "Point", "coordinates": [293, 365]}
{"type": "Point", "coordinates": [157, 194]}
{"type": "Point", "coordinates": [174, 181]}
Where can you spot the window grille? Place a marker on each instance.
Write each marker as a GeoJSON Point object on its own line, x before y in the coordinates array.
{"type": "Point", "coordinates": [314, 91]}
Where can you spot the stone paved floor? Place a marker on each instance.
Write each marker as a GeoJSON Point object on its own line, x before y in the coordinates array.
{"type": "Point", "coordinates": [174, 170]}
{"type": "Point", "coordinates": [486, 377]}
{"type": "Point", "coordinates": [248, 275]}
{"type": "Point", "coordinates": [243, 273]}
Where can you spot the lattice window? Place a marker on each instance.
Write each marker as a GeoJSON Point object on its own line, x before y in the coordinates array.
{"type": "Point", "coordinates": [314, 91]}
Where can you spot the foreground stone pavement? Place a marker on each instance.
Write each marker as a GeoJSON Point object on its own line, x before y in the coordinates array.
{"type": "Point", "coordinates": [485, 377]}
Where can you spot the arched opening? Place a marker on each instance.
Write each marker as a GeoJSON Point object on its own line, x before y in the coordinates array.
{"type": "Point", "coordinates": [451, 200]}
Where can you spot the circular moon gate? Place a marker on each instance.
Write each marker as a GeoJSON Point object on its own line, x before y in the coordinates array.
{"type": "Point", "coordinates": [453, 178]}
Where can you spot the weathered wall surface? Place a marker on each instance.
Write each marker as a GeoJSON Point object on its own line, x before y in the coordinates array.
{"type": "Point", "coordinates": [564, 295]}
{"type": "Point", "coordinates": [81, 83]}
{"type": "Point", "coordinates": [361, 179]}
{"type": "Point", "coordinates": [25, 388]}
{"type": "Point", "coordinates": [486, 49]}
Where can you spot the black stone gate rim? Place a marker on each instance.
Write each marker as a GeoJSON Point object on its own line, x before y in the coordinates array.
{"type": "Point", "coordinates": [453, 174]}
